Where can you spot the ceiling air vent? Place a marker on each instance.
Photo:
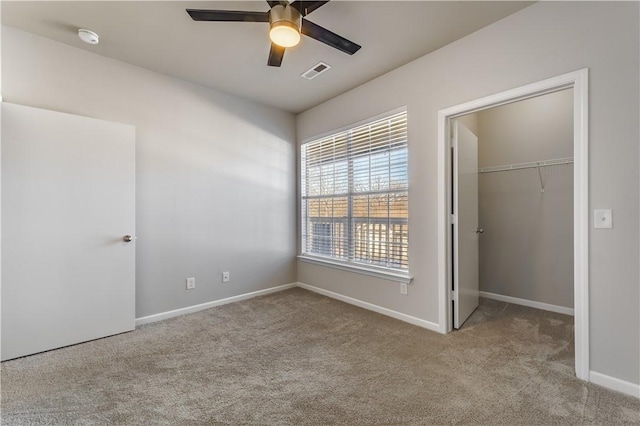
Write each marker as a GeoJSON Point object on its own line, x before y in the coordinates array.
{"type": "Point", "coordinates": [316, 70]}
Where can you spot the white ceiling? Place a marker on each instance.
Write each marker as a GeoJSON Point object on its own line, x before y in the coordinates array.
{"type": "Point", "coordinates": [232, 56]}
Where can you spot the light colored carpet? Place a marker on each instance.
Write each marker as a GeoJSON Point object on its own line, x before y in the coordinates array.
{"type": "Point", "coordinates": [299, 358]}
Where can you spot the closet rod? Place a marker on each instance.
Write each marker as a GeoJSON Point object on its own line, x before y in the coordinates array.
{"type": "Point", "coordinates": [530, 165]}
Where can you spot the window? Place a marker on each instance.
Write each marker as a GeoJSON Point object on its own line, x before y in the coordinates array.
{"type": "Point", "coordinates": [355, 196]}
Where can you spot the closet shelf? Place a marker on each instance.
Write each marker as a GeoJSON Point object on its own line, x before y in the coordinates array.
{"type": "Point", "coordinates": [529, 165]}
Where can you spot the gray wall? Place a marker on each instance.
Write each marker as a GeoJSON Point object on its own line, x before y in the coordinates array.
{"type": "Point", "coordinates": [215, 177]}
{"type": "Point", "coordinates": [526, 250]}
{"type": "Point", "coordinates": [543, 40]}
{"type": "Point", "coordinates": [470, 121]}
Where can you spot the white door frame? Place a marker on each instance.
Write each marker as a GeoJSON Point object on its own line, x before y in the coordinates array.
{"type": "Point", "coordinates": [578, 80]}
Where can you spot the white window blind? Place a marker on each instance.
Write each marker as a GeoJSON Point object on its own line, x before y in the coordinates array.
{"type": "Point", "coordinates": [355, 195]}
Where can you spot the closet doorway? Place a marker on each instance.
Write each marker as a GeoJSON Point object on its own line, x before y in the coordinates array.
{"type": "Point", "coordinates": [513, 203]}
{"type": "Point", "coordinates": [513, 199]}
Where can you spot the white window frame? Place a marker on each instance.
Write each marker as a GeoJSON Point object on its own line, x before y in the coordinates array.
{"type": "Point", "coordinates": [370, 270]}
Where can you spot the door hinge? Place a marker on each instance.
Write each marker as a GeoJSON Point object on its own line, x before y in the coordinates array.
{"type": "Point", "coordinates": [452, 218]}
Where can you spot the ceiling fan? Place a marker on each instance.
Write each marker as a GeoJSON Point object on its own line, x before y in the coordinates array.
{"type": "Point", "coordinates": [287, 23]}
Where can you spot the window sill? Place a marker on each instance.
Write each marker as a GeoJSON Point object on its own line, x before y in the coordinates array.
{"type": "Point", "coordinates": [378, 273]}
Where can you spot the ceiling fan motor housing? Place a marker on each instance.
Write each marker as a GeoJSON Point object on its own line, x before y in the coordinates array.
{"type": "Point", "coordinates": [285, 15]}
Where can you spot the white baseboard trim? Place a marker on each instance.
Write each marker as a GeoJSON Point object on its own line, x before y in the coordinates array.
{"type": "Point", "coordinates": [614, 384]}
{"type": "Point", "coordinates": [529, 303]}
{"type": "Point", "coordinates": [371, 307]}
{"type": "Point", "coordinates": [195, 308]}
{"type": "Point", "coordinates": [350, 300]}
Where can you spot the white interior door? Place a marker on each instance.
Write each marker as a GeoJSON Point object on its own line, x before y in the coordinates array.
{"type": "Point", "coordinates": [68, 199]}
{"type": "Point", "coordinates": [465, 229]}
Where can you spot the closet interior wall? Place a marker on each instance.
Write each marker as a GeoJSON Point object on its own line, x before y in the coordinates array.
{"type": "Point", "coordinates": [526, 250]}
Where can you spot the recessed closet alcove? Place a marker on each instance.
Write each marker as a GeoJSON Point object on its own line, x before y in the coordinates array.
{"type": "Point", "coordinates": [525, 200]}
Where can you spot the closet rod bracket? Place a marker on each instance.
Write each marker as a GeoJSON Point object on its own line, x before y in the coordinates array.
{"type": "Point", "coordinates": [541, 182]}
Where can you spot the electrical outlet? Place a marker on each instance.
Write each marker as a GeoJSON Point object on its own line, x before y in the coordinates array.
{"type": "Point", "coordinates": [403, 288]}
{"type": "Point", "coordinates": [191, 283]}
{"type": "Point", "coordinates": [226, 277]}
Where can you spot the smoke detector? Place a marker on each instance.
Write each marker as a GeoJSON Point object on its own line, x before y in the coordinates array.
{"type": "Point", "coordinates": [88, 36]}
{"type": "Point", "coordinates": [316, 70]}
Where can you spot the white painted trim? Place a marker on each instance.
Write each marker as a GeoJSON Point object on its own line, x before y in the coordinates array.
{"type": "Point", "coordinates": [529, 303]}
{"type": "Point", "coordinates": [614, 384]}
{"type": "Point", "coordinates": [371, 307]}
{"type": "Point", "coordinates": [195, 308]}
{"type": "Point", "coordinates": [388, 275]}
{"type": "Point", "coordinates": [444, 222]}
{"type": "Point", "coordinates": [578, 80]}
{"type": "Point", "coordinates": [581, 221]}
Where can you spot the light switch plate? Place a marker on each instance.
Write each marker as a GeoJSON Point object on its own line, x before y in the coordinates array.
{"type": "Point", "coordinates": [602, 218]}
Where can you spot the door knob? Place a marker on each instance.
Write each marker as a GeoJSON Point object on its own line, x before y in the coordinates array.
{"type": "Point", "coordinates": [479, 231]}
{"type": "Point", "coordinates": [127, 238]}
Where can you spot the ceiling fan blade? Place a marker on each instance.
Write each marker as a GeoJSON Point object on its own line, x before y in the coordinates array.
{"type": "Point", "coordinates": [273, 2]}
{"type": "Point", "coordinates": [275, 55]}
{"type": "Point", "coordinates": [228, 15]}
{"type": "Point", "coordinates": [306, 7]}
{"type": "Point", "coordinates": [327, 37]}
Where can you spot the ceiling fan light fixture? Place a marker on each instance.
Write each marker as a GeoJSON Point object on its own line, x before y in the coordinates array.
{"type": "Point", "coordinates": [284, 34]}
{"type": "Point", "coordinates": [285, 25]}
